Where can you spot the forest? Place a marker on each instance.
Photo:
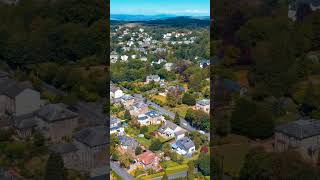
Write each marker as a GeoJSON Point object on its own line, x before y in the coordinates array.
{"type": "Point", "coordinates": [47, 41]}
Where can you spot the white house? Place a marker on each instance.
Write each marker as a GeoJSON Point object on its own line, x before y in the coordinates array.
{"type": "Point", "coordinates": [203, 105]}
{"type": "Point", "coordinates": [159, 61]}
{"type": "Point", "coordinates": [115, 126]}
{"type": "Point", "coordinates": [154, 78]}
{"type": "Point", "coordinates": [124, 57]}
{"type": "Point", "coordinates": [143, 120]}
{"type": "Point", "coordinates": [169, 66]}
{"type": "Point", "coordinates": [155, 117]}
{"type": "Point", "coordinates": [18, 98]}
{"type": "Point", "coordinates": [184, 146]}
{"type": "Point", "coordinates": [170, 130]}
{"type": "Point", "coordinates": [113, 57]}
{"type": "Point", "coordinates": [115, 92]}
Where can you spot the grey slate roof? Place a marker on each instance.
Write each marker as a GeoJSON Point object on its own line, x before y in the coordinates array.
{"type": "Point", "coordinates": [185, 143]}
{"type": "Point", "coordinates": [179, 132]}
{"type": "Point", "coordinates": [63, 148]}
{"type": "Point", "coordinates": [152, 113]}
{"type": "Point", "coordinates": [128, 141]}
{"type": "Point", "coordinates": [25, 121]}
{"type": "Point", "coordinates": [204, 102]}
{"type": "Point", "coordinates": [12, 88]}
{"type": "Point", "coordinates": [93, 136]}
{"type": "Point", "coordinates": [300, 129]}
{"type": "Point", "coordinates": [114, 121]}
{"type": "Point", "coordinates": [167, 124]}
{"type": "Point", "coordinates": [55, 112]}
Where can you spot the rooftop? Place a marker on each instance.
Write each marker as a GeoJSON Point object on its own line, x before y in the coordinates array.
{"type": "Point", "coordinates": [300, 129]}
{"type": "Point", "coordinates": [55, 112]}
{"type": "Point", "coordinates": [93, 136]}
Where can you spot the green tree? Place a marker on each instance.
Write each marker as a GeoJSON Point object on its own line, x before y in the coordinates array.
{"type": "Point", "coordinates": [127, 115]}
{"type": "Point", "coordinates": [144, 129]}
{"type": "Point", "coordinates": [138, 150]}
{"type": "Point", "coordinates": [176, 119]}
{"type": "Point", "coordinates": [263, 165]}
{"type": "Point", "coordinates": [188, 99]}
{"type": "Point", "coordinates": [204, 163]}
{"type": "Point", "coordinates": [55, 168]}
{"type": "Point", "coordinates": [156, 145]}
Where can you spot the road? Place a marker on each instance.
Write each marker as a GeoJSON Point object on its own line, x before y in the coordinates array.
{"type": "Point", "coordinates": [121, 172]}
{"type": "Point", "coordinates": [183, 123]}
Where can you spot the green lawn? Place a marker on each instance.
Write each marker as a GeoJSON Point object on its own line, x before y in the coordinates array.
{"type": "Point", "coordinates": [145, 142]}
{"type": "Point", "coordinates": [167, 164]}
{"type": "Point", "coordinates": [171, 170]}
{"type": "Point", "coordinates": [176, 169]}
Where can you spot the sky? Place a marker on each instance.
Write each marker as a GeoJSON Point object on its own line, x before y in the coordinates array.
{"type": "Point", "coordinates": [152, 7]}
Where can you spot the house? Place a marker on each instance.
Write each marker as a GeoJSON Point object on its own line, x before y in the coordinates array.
{"type": "Point", "coordinates": [158, 62]}
{"type": "Point", "coordinates": [113, 57]}
{"type": "Point", "coordinates": [204, 63]}
{"type": "Point", "coordinates": [203, 105]}
{"type": "Point", "coordinates": [93, 146]}
{"type": "Point", "coordinates": [168, 130]}
{"type": "Point", "coordinates": [124, 58]}
{"type": "Point", "coordinates": [169, 66]}
{"type": "Point", "coordinates": [153, 78]}
{"type": "Point", "coordinates": [177, 90]}
{"type": "Point", "coordinates": [18, 98]}
{"type": "Point", "coordinates": [138, 108]}
{"type": "Point", "coordinates": [115, 126]}
{"type": "Point", "coordinates": [56, 121]}
{"type": "Point", "coordinates": [115, 92]}
{"type": "Point", "coordinates": [127, 100]}
{"type": "Point", "coordinates": [69, 154]}
{"type": "Point", "coordinates": [293, 7]}
{"type": "Point", "coordinates": [148, 160]}
{"type": "Point", "coordinates": [180, 133]}
{"type": "Point", "coordinates": [143, 120]}
{"type": "Point", "coordinates": [25, 124]}
{"type": "Point", "coordinates": [302, 135]}
{"type": "Point", "coordinates": [184, 146]}
{"type": "Point", "coordinates": [128, 143]}
{"type": "Point", "coordinates": [154, 117]}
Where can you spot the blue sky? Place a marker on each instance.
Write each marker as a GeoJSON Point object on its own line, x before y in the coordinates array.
{"type": "Point", "coordinates": [151, 7]}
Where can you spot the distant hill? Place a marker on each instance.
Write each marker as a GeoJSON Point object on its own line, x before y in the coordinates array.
{"type": "Point", "coordinates": [126, 17]}
{"type": "Point", "coordinates": [178, 21]}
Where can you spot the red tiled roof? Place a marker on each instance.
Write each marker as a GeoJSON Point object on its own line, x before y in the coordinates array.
{"type": "Point", "coordinates": [147, 157]}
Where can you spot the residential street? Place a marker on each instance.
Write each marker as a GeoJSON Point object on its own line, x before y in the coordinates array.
{"type": "Point", "coordinates": [183, 122]}
{"type": "Point", "coordinates": [121, 172]}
